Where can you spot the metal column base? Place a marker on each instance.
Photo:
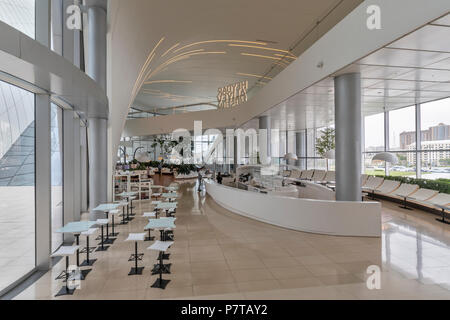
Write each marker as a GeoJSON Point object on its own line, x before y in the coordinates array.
{"type": "Point", "coordinates": [65, 292]}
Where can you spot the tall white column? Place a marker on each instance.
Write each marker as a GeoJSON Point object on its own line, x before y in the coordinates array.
{"type": "Point", "coordinates": [98, 171]}
{"type": "Point", "coordinates": [97, 128]}
{"type": "Point", "coordinates": [265, 140]}
{"type": "Point", "coordinates": [69, 173]}
{"type": "Point", "coordinates": [43, 181]}
{"type": "Point", "coordinates": [77, 170]}
{"type": "Point", "coordinates": [348, 136]}
{"type": "Point", "coordinates": [300, 144]}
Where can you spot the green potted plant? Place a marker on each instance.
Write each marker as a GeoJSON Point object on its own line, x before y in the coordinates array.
{"type": "Point", "coordinates": [326, 143]}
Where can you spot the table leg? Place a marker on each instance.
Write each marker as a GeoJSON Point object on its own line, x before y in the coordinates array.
{"type": "Point", "coordinates": [77, 237]}
{"type": "Point", "coordinates": [443, 218]}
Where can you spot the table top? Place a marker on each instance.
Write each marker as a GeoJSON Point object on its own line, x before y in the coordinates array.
{"type": "Point", "coordinates": [170, 195]}
{"type": "Point", "coordinates": [65, 251]}
{"type": "Point", "coordinates": [156, 187]}
{"type": "Point", "coordinates": [160, 224]}
{"type": "Point", "coordinates": [136, 237]}
{"type": "Point", "coordinates": [167, 205]}
{"type": "Point", "coordinates": [161, 246]}
{"type": "Point", "coordinates": [107, 207]}
{"type": "Point", "coordinates": [77, 227]}
{"type": "Point", "coordinates": [127, 194]}
{"type": "Point", "coordinates": [171, 188]}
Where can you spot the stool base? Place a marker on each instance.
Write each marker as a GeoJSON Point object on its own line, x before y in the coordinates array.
{"type": "Point", "coordinates": [157, 269]}
{"type": "Point", "coordinates": [140, 256]}
{"type": "Point", "coordinates": [85, 263]}
{"type": "Point", "coordinates": [65, 292]}
{"type": "Point", "coordinates": [100, 249]}
{"type": "Point", "coordinates": [91, 249]}
{"type": "Point", "coordinates": [108, 241]}
{"type": "Point", "coordinates": [135, 272]}
{"type": "Point", "coordinates": [161, 284]}
{"type": "Point", "coordinates": [114, 234]}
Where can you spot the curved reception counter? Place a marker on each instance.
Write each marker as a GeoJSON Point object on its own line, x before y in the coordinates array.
{"type": "Point", "coordinates": [359, 219]}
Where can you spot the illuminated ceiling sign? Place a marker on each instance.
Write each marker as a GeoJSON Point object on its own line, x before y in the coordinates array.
{"type": "Point", "coordinates": [233, 95]}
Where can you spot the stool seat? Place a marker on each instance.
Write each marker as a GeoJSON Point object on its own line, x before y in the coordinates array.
{"type": "Point", "coordinates": [114, 212]}
{"type": "Point", "coordinates": [149, 214]}
{"type": "Point", "coordinates": [132, 198]}
{"type": "Point", "coordinates": [156, 202]}
{"type": "Point", "coordinates": [136, 237]}
{"type": "Point", "coordinates": [161, 246]}
{"type": "Point", "coordinates": [156, 195]}
{"type": "Point", "coordinates": [102, 222]}
{"type": "Point", "coordinates": [90, 232]}
{"type": "Point", "coordinates": [65, 251]}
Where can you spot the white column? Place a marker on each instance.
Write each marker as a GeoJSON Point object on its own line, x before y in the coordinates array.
{"type": "Point", "coordinates": [84, 169]}
{"type": "Point", "coordinates": [77, 170]}
{"type": "Point", "coordinates": [98, 171]}
{"type": "Point", "coordinates": [97, 128]}
{"type": "Point", "coordinates": [265, 141]}
{"type": "Point", "coordinates": [348, 136]}
{"type": "Point", "coordinates": [69, 173]}
{"type": "Point", "coordinates": [419, 140]}
{"type": "Point", "coordinates": [43, 181]}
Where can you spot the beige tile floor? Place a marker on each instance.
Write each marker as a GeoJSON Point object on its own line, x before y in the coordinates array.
{"type": "Point", "coordinates": [220, 255]}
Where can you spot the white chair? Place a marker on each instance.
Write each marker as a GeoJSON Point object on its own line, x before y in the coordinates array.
{"type": "Point", "coordinates": [319, 175]}
{"type": "Point", "coordinates": [88, 249]}
{"type": "Point", "coordinates": [422, 195]}
{"type": "Point", "coordinates": [404, 192]}
{"type": "Point", "coordinates": [66, 252]}
{"type": "Point", "coordinates": [113, 213]}
{"type": "Point", "coordinates": [387, 187]}
{"type": "Point", "coordinates": [373, 183]}
{"type": "Point", "coordinates": [102, 223]}
{"type": "Point", "coordinates": [295, 174]}
{"type": "Point", "coordinates": [307, 175]}
{"type": "Point", "coordinates": [441, 199]}
{"type": "Point", "coordinates": [364, 178]}
{"type": "Point", "coordinates": [330, 177]}
{"type": "Point", "coordinates": [136, 237]}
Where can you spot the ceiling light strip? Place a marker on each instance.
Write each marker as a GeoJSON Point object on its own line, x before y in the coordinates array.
{"type": "Point", "coordinates": [262, 48]}
{"type": "Point", "coordinates": [253, 75]}
{"type": "Point", "coordinates": [219, 41]}
{"type": "Point", "coordinates": [170, 49]}
{"type": "Point", "coordinates": [265, 57]}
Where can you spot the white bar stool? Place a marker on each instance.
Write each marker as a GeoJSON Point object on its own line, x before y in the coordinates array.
{"type": "Point", "coordinates": [66, 252]}
{"type": "Point", "coordinates": [131, 205]}
{"type": "Point", "coordinates": [113, 213]}
{"type": "Point", "coordinates": [160, 268]}
{"type": "Point", "coordinates": [102, 223]}
{"type": "Point", "coordinates": [88, 250]}
{"type": "Point", "coordinates": [136, 237]}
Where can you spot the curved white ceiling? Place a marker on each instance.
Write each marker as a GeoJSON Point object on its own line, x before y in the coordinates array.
{"type": "Point", "coordinates": [140, 28]}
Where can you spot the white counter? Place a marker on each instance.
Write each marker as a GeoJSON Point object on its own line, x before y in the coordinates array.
{"type": "Point", "coordinates": [361, 219]}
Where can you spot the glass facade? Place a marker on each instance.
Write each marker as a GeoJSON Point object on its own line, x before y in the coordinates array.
{"type": "Point", "coordinates": [17, 183]}
{"type": "Point", "coordinates": [429, 160]}
{"type": "Point", "coordinates": [19, 14]}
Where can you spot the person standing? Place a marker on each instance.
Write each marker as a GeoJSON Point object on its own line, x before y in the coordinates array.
{"type": "Point", "coordinates": [200, 179]}
{"type": "Point", "coordinates": [219, 178]}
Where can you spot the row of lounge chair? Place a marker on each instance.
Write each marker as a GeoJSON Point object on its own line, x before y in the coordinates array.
{"type": "Point", "coordinates": [377, 186]}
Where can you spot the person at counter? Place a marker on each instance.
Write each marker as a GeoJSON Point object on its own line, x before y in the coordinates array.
{"type": "Point", "coordinates": [219, 178]}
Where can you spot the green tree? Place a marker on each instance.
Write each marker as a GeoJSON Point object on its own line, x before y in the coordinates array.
{"type": "Point", "coordinates": [326, 142]}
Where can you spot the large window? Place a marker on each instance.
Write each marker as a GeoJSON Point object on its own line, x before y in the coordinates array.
{"type": "Point", "coordinates": [17, 184]}
{"type": "Point", "coordinates": [402, 136]}
{"type": "Point", "coordinates": [19, 14]}
{"type": "Point", "coordinates": [57, 175]}
{"type": "Point", "coordinates": [435, 123]}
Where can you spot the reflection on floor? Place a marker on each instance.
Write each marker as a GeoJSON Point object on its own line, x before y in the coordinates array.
{"type": "Point", "coordinates": [219, 255]}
